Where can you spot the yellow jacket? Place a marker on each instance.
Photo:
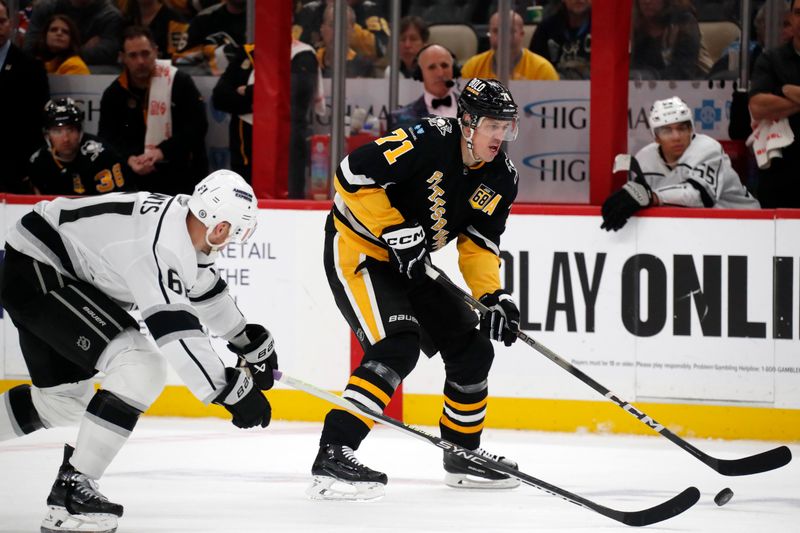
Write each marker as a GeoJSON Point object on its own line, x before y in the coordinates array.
{"type": "Point", "coordinates": [71, 65]}
{"type": "Point", "coordinates": [530, 67]}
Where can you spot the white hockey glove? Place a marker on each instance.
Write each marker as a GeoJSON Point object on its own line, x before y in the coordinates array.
{"type": "Point", "coordinates": [247, 404]}
{"type": "Point", "coordinates": [501, 322]}
{"type": "Point", "coordinates": [621, 205]}
{"type": "Point", "coordinates": [258, 354]}
{"type": "Point", "coordinates": [407, 249]}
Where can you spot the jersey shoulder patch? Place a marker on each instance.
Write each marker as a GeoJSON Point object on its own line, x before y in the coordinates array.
{"type": "Point", "coordinates": [92, 148]}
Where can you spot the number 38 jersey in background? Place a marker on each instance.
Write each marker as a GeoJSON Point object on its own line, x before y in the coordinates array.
{"type": "Point", "coordinates": [135, 247]}
{"type": "Point", "coordinates": [417, 173]}
{"type": "Point", "coordinates": [97, 169]}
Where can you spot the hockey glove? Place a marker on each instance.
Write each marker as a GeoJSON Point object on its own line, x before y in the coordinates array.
{"type": "Point", "coordinates": [247, 404]}
{"type": "Point", "coordinates": [619, 207]}
{"type": "Point", "coordinates": [258, 354]}
{"type": "Point", "coordinates": [407, 249]}
{"type": "Point", "coordinates": [501, 321]}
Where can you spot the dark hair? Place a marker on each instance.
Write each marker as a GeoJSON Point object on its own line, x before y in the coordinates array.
{"type": "Point", "coordinates": [134, 32]}
{"type": "Point", "coordinates": [418, 23]}
{"type": "Point", "coordinates": [670, 9]}
{"type": "Point", "coordinates": [44, 53]}
{"type": "Point", "coordinates": [5, 5]}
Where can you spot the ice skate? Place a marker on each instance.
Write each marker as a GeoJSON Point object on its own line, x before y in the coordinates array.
{"type": "Point", "coordinates": [76, 505]}
{"type": "Point", "coordinates": [338, 475]}
{"type": "Point", "coordinates": [465, 474]}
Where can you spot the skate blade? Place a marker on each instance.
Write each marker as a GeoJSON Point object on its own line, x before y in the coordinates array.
{"type": "Point", "coordinates": [465, 481]}
{"type": "Point", "coordinates": [59, 520]}
{"type": "Point", "coordinates": [332, 489]}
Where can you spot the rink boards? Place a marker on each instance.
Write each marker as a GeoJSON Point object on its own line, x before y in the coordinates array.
{"type": "Point", "coordinates": [692, 315]}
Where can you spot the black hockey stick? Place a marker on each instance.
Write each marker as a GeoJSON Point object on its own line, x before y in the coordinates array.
{"type": "Point", "coordinates": [761, 462]}
{"type": "Point", "coordinates": [672, 507]}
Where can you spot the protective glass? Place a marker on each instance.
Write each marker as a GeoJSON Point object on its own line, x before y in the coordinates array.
{"type": "Point", "coordinates": [504, 130]}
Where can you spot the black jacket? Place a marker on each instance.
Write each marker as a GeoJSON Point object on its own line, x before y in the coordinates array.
{"type": "Point", "coordinates": [226, 98]}
{"type": "Point", "coordinates": [23, 92]}
{"type": "Point", "coordinates": [122, 124]}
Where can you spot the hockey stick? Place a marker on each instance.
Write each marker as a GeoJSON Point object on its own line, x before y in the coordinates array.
{"type": "Point", "coordinates": [754, 464]}
{"type": "Point", "coordinates": [672, 507]}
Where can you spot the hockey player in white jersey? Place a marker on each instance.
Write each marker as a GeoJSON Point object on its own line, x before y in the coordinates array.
{"type": "Point", "coordinates": [72, 267]}
{"type": "Point", "coordinates": [681, 168]}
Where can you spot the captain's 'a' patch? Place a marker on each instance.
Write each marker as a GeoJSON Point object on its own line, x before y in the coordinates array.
{"type": "Point", "coordinates": [485, 199]}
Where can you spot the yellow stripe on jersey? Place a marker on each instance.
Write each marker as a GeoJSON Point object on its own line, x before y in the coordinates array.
{"type": "Point", "coordinates": [348, 262]}
{"type": "Point", "coordinates": [359, 243]}
{"type": "Point", "coordinates": [466, 406]}
{"type": "Point", "coordinates": [369, 387]}
{"type": "Point", "coordinates": [370, 206]}
{"type": "Point", "coordinates": [461, 429]}
{"type": "Point", "coordinates": [479, 266]}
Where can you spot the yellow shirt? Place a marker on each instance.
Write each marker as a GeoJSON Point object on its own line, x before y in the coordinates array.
{"type": "Point", "coordinates": [530, 67]}
{"type": "Point", "coordinates": [71, 65]}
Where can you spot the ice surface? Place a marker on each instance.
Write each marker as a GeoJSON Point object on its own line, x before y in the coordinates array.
{"type": "Point", "coordinates": [204, 475]}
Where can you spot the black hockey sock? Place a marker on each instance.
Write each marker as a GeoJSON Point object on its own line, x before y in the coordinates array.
{"type": "Point", "coordinates": [463, 413]}
{"type": "Point", "coordinates": [372, 384]}
{"type": "Point", "coordinates": [21, 411]}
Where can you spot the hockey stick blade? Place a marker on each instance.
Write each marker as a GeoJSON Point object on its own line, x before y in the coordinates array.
{"type": "Point", "coordinates": [672, 507]}
{"type": "Point", "coordinates": [754, 464]}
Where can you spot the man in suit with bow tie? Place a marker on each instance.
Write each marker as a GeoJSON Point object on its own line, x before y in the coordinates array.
{"type": "Point", "coordinates": [436, 68]}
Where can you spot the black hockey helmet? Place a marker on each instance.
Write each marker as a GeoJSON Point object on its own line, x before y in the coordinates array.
{"type": "Point", "coordinates": [486, 98]}
{"type": "Point", "coordinates": [62, 112]}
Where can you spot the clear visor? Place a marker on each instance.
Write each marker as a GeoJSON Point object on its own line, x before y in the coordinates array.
{"type": "Point", "coordinates": [502, 130]}
{"type": "Point", "coordinates": [678, 128]}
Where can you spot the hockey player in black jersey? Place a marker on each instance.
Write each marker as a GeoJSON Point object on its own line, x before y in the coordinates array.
{"type": "Point", "coordinates": [72, 162]}
{"type": "Point", "coordinates": [398, 199]}
{"type": "Point", "coordinates": [72, 267]}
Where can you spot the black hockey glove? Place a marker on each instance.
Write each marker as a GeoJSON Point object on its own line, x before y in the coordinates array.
{"type": "Point", "coordinates": [247, 404]}
{"type": "Point", "coordinates": [621, 205]}
{"type": "Point", "coordinates": [407, 249]}
{"type": "Point", "coordinates": [258, 354]}
{"type": "Point", "coordinates": [501, 321]}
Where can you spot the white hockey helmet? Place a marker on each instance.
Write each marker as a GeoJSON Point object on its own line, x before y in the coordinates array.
{"type": "Point", "coordinates": [670, 111]}
{"type": "Point", "coordinates": [224, 196]}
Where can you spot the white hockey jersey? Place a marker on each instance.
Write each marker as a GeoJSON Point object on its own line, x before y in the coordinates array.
{"type": "Point", "coordinates": [135, 247]}
{"type": "Point", "coordinates": [702, 177]}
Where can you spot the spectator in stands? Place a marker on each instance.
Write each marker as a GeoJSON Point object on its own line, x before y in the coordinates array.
{"type": "Point", "coordinates": [449, 11]}
{"type": "Point", "coordinates": [436, 68]}
{"type": "Point", "coordinates": [220, 24]}
{"type": "Point", "coordinates": [189, 8]}
{"type": "Point", "coordinates": [169, 27]}
{"type": "Point", "coordinates": [775, 95]}
{"type": "Point", "coordinates": [307, 94]}
{"type": "Point", "coordinates": [414, 34]}
{"type": "Point", "coordinates": [722, 68]}
{"type": "Point", "coordinates": [233, 94]}
{"type": "Point", "coordinates": [356, 66]}
{"type": "Point", "coordinates": [154, 116]}
{"type": "Point", "coordinates": [666, 42]}
{"type": "Point", "coordinates": [681, 168]}
{"type": "Point", "coordinates": [526, 64]}
{"type": "Point", "coordinates": [370, 30]}
{"type": "Point", "coordinates": [23, 93]}
{"type": "Point", "coordinates": [58, 47]}
{"type": "Point", "coordinates": [72, 162]}
{"type": "Point", "coordinates": [565, 39]}
{"type": "Point", "coordinates": [99, 23]}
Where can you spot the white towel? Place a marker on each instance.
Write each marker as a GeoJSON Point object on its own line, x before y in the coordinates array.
{"type": "Point", "coordinates": [159, 105]}
{"type": "Point", "coordinates": [767, 140]}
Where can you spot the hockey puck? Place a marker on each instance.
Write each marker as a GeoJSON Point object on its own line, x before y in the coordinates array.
{"type": "Point", "coordinates": [723, 497]}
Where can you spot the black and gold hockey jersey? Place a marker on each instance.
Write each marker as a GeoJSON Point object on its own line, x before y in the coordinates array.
{"type": "Point", "coordinates": [417, 173]}
{"type": "Point", "coordinates": [97, 169]}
